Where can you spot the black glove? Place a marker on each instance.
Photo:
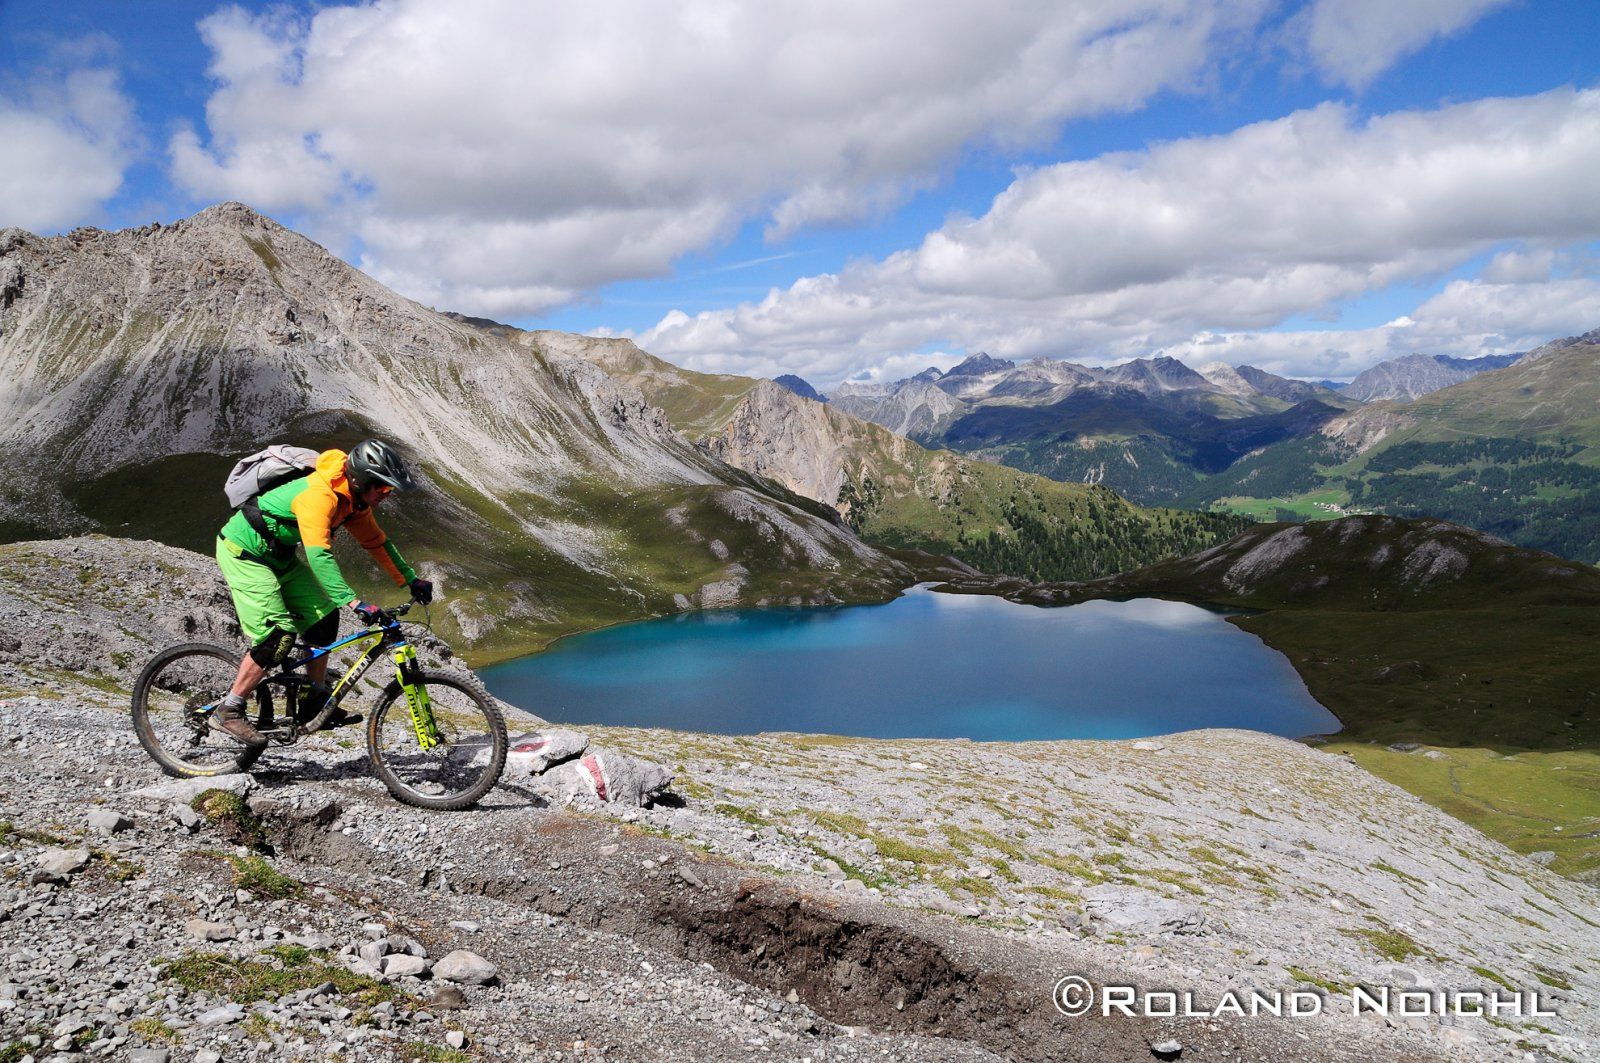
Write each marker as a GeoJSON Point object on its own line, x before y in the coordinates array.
{"type": "Point", "coordinates": [369, 614]}
{"type": "Point", "coordinates": [422, 590]}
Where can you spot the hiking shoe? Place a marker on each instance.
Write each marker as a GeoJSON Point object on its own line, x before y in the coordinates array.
{"type": "Point", "coordinates": [232, 722]}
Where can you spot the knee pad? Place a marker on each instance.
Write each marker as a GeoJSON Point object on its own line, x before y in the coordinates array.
{"type": "Point", "coordinates": [323, 631]}
{"type": "Point", "coordinates": [272, 650]}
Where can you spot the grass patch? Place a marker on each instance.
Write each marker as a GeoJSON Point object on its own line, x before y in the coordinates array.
{"type": "Point", "coordinates": [1175, 878]}
{"type": "Point", "coordinates": [1391, 944]}
{"type": "Point", "coordinates": [1553, 979]}
{"type": "Point", "coordinates": [871, 879]}
{"type": "Point", "coordinates": [743, 815]}
{"type": "Point", "coordinates": [978, 887]}
{"type": "Point", "coordinates": [255, 874]}
{"type": "Point", "coordinates": [1493, 976]}
{"type": "Point", "coordinates": [119, 869]}
{"type": "Point", "coordinates": [888, 846]}
{"type": "Point", "coordinates": [12, 835]}
{"type": "Point", "coordinates": [1117, 833]}
{"type": "Point", "coordinates": [964, 839]}
{"type": "Point", "coordinates": [1055, 893]}
{"type": "Point", "coordinates": [228, 812]}
{"type": "Point", "coordinates": [691, 788]}
{"type": "Point", "coordinates": [259, 1027]}
{"type": "Point", "coordinates": [1071, 864]}
{"type": "Point", "coordinates": [285, 969]}
{"type": "Point", "coordinates": [1307, 978]}
{"type": "Point", "coordinates": [16, 1051]}
{"type": "Point", "coordinates": [155, 1031]}
{"type": "Point", "coordinates": [1390, 869]}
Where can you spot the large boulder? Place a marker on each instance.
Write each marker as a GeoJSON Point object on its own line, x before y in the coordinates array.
{"type": "Point", "coordinates": [467, 968]}
{"type": "Point", "coordinates": [536, 752]}
{"type": "Point", "coordinates": [607, 778]}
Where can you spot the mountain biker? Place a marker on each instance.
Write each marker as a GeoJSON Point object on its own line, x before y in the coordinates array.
{"type": "Point", "coordinates": [277, 595]}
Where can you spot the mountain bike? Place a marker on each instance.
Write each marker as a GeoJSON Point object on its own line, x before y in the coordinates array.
{"type": "Point", "coordinates": [436, 739]}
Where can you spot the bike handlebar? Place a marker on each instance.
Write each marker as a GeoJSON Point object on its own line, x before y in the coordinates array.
{"type": "Point", "coordinates": [392, 616]}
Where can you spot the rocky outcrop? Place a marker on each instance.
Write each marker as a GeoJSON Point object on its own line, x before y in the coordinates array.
{"type": "Point", "coordinates": [799, 386]}
{"type": "Point", "coordinates": [1366, 427]}
{"type": "Point", "coordinates": [220, 330]}
{"type": "Point", "coordinates": [808, 447]}
{"type": "Point", "coordinates": [1246, 382]}
{"type": "Point", "coordinates": [1592, 337]}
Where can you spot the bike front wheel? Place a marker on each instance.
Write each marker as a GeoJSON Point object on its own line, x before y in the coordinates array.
{"type": "Point", "coordinates": [172, 700]}
{"type": "Point", "coordinates": [470, 754]}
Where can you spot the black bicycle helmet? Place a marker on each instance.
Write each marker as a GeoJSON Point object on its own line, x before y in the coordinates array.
{"type": "Point", "coordinates": [373, 462]}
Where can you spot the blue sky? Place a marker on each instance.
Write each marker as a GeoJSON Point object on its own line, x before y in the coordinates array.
{"type": "Point", "coordinates": [815, 190]}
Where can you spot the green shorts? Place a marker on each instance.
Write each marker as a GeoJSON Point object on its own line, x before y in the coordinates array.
{"type": "Point", "coordinates": [288, 598]}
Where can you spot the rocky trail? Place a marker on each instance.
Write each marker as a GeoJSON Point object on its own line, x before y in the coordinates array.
{"type": "Point", "coordinates": [783, 896]}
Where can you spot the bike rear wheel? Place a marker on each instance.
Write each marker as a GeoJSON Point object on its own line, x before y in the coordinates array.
{"type": "Point", "coordinates": [170, 701]}
{"type": "Point", "coordinates": [469, 758]}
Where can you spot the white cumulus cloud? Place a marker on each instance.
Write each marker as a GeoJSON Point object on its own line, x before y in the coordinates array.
{"type": "Point", "coordinates": [1111, 257]}
{"type": "Point", "coordinates": [1353, 41]}
{"type": "Point", "coordinates": [502, 155]}
{"type": "Point", "coordinates": [67, 142]}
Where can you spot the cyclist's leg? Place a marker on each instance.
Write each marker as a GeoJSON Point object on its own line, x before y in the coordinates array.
{"type": "Point", "coordinates": [314, 614]}
{"type": "Point", "coordinates": [267, 626]}
{"type": "Point", "coordinates": [317, 618]}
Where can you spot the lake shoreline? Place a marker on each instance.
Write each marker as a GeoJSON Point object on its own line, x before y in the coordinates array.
{"type": "Point", "coordinates": [924, 666]}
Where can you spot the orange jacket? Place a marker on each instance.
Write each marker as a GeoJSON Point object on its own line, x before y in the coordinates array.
{"type": "Point", "coordinates": [328, 503]}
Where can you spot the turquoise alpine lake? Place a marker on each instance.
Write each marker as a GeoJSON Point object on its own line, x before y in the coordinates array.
{"type": "Point", "coordinates": [926, 665]}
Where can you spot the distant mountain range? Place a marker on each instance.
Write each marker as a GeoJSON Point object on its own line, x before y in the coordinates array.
{"type": "Point", "coordinates": [1150, 429]}
{"type": "Point", "coordinates": [1513, 433]}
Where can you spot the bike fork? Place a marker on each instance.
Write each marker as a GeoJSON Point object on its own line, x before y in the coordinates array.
{"type": "Point", "coordinates": [417, 700]}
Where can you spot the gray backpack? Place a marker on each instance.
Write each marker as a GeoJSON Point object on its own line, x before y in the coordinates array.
{"type": "Point", "coordinates": [259, 473]}
{"type": "Point", "coordinates": [266, 469]}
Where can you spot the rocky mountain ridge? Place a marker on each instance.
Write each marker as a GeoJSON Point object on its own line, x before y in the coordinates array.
{"type": "Point", "coordinates": [982, 379]}
{"type": "Point", "coordinates": [799, 386]}
{"type": "Point", "coordinates": [893, 491]}
{"type": "Point", "coordinates": [1513, 451]}
{"type": "Point", "coordinates": [1150, 428]}
{"type": "Point", "coordinates": [1415, 375]}
{"type": "Point", "coordinates": [1366, 562]}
